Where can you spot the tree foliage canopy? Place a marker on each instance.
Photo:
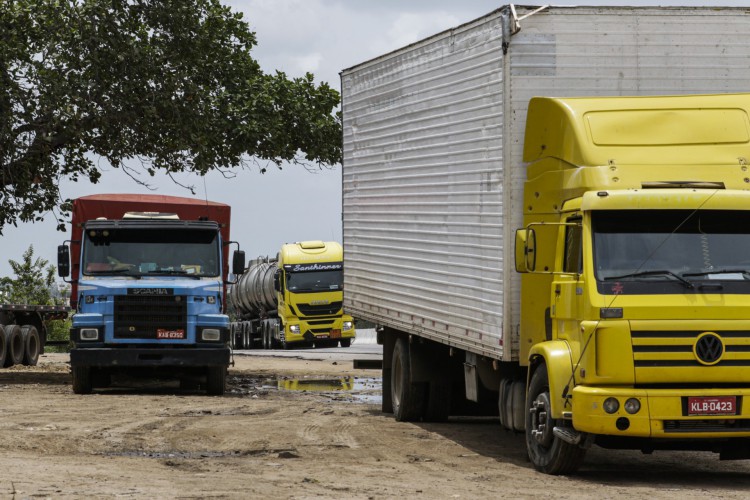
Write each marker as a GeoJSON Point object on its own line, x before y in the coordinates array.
{"type": "Point", "coordinates": [168, 83]}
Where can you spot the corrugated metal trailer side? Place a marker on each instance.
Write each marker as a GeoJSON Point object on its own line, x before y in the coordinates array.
{"type": "Point", "coordinates": [433, 139]}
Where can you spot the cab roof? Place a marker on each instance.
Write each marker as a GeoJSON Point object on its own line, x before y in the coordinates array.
{"type": "Point", "coordinates": [653, 130]}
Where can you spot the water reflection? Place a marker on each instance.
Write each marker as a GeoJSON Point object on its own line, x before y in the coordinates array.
{"type": "Point", "coordinates": [357, 389]}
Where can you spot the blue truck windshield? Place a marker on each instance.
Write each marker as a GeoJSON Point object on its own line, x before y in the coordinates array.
{"type": "Point", "coordinates": [151, 252]}
{"type": "Point", "coordinates": [655, 245]}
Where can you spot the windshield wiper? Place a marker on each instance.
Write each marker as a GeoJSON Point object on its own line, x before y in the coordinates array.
{"type": "Point", "coordinates": [744, 272]}
{"type": "Point", "coordinates": [109, 271]}
{"type": "Point", "coordinates": [656, 272]}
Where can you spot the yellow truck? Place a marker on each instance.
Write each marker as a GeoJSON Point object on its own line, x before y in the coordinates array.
{"type": "Point", "coordinates": [579, 266]}
{"type": "Point", "coordinates": [292, 299]}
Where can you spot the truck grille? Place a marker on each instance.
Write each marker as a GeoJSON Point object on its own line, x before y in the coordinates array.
{"type": "Point", "coordinates": [676, 348]}
{"type": "Point", "coordinates": [730, 425]}
{"type": "Point", "coordinates": [322, 310]}
{"type": "Point", "coordinates": [139, 317]}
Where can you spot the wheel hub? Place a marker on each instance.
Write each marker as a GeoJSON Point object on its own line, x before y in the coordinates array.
{"type": "Point", "coordinates": [541, 423]}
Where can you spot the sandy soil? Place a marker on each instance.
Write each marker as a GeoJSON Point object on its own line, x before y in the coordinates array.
{"type": "Point", "coordinates": [260, 441]}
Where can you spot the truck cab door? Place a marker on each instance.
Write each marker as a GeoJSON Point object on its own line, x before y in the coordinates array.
{"type": "Point", "coordinates": [566, 303]}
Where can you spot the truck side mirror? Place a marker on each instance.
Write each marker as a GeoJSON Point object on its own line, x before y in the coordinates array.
{"type": "Point", "coordinates": [525, 250]}
{"type": "Point", "coordinates": [238, 262]}
{"type": "Point", "coordinates": [277, 280]}
{"type": "Point", "coordinates": [63, 261]}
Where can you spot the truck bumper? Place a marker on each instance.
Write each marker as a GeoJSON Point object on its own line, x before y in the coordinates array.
{"type": "Point", "coordinates": [663, 413]}
{"type": "Point", "coordinates": [149, 357]}
{"type": "Point", "coordinates": [310, 333]}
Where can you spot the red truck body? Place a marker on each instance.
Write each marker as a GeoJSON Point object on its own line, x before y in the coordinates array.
{"type": "Point", "coordinates": [114, 207]}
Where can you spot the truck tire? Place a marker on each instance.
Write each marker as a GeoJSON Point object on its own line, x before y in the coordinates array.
{"type": "Point", "coordinates": [548, 453]}
{"type": "Point", "coordinates": [14, 345]}
{"type": "Point", "coordinates": [234, 342]}
{"type": "Point", "coordinates": [249, 336]}
{"type": "Point", "coordinates": [3, 345]}
{"type": "Point", "coordinates": [216, 380]}
{"type": "Point", "coordinates": [408, 400]}
{"type": "Point", "coordinates": [345, 342]}
{"type": "Point", "coordinates": [81, 379]}
{"type": "Point", "coordinates": [273, 334]}
{"type": "Point", "coordinates": [32, 345]}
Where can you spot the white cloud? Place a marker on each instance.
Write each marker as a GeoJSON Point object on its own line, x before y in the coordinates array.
{"type": "Point", "coordinates": [308, 63]}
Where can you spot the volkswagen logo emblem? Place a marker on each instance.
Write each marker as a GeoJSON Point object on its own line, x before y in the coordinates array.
{"type": "Point", "coordinates": [708, 348]}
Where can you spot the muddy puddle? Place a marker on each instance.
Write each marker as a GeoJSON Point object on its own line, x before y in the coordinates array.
{"type": "Point", "coordinates": [358, 389]}
{"type": "Point", "coordinates": [367, 390]}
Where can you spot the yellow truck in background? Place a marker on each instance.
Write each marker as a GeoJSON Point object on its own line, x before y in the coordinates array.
{"type": "Point", "coordinates": [579, 266]}
{"type": "Point", "coordinates": [292, 299]}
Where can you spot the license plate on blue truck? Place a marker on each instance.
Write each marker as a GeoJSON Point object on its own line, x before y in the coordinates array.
{"type": "Point", "coordinates": [162, 333]}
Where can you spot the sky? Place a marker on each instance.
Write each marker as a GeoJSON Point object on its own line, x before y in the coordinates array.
{"type": "Point", "coordinates": [294, 36]}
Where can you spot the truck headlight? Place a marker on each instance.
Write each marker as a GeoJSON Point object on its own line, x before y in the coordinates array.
{"type": "Point", "coordinates": [632, 406]}
{"type": "Point", "coordinates": [348, 325]}
{"type": "Point", "coordinates": [294, 328]}
{"type": "Point", "coordinates": [611, 405]}
{"type": "Point", "coordinates": [89, 334]}
{"type": "Point", "coordinates": [211, 334]}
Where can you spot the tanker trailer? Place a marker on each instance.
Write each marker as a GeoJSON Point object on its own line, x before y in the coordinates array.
{"type": "Point", "coordinates": [252, 302]}
{"type": "Point", "coordinates": [305, 279]}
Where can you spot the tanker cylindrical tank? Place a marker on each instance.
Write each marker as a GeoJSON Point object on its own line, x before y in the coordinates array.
{"type": "Point", "coordinates": [254, 290]}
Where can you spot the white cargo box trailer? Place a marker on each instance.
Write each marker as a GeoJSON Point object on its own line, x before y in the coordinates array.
{"type": "Point", "coordinates": [433, 140]}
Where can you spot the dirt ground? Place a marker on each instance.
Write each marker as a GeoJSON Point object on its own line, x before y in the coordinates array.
{"type": "Point", "coordinates": [262, 441]}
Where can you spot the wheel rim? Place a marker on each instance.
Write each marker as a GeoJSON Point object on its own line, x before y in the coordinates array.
{"type": "Point", "coordinates": [541, 423]}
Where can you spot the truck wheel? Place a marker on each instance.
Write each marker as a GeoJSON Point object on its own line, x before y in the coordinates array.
{"type": "Point", "coordinates": [31, 344]}
{"type": "Point", "coordinates": [14, 345]}
{"type": "Point", "coordinates": [407, 397]}
{"type": "Point", "coordinates": [345, 342]}
{"type": "Point", "coordinates": [216, 379]}
{"type": "Point", "coordinates": [81, 379]}
{"type": "Point", "coordinates": [548, 453]}
{"type": "Point", "coordinates": [3, 345]}
{"type": "Point", "coordinates": [266, 337]}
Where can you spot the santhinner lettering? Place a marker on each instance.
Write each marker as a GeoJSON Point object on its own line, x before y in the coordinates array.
{"type": "Point", "coordinates": [316, 267]}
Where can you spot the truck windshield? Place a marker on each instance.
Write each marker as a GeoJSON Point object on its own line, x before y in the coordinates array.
{"type": "Point", "coordinates": [139, 252]}
{"type": "Point", "coordinates": [314, 281]}
{"type": "Point", "coordinates": [671, 245]}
